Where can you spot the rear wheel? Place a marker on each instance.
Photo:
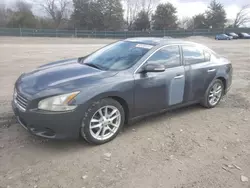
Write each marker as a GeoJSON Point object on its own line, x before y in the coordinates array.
{"type": "Point", "coordinates": [213, 94]}
{"type": "Point", "coordinates": [103, 121]}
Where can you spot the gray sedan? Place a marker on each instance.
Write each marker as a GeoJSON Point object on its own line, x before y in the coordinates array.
{"type": "Point", "coordinates": [94, 96]}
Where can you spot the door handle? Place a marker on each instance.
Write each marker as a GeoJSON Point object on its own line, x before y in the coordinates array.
{"type": "Point", "coordinates": [211, 70]}
{"type": "Point", "coordinates": [179, 77]}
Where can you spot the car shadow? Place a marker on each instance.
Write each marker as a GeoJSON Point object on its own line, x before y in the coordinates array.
{"type": "Point", "coordinates": [162, 116]}
{"type": "Point", "coordinates": [55, 146]}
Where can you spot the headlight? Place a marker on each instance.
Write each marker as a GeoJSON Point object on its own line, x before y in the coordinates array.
{"type": "Point", "coordinates": [58, 103]}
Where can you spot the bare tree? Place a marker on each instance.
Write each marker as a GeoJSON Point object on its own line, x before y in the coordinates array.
{"type": "Point", "coordinates": [133, 7]}
{"type": "Point", "coordinates": [3, 15]}
{"type": "Point", "coordinates": [131, 11]}
{"type": "Point", "coordinates": [23, 6]}
{"type": "Point", "coordinates": [148, 5]}
{"type": "Point", "coordinates": [184, 22]}
{"type": "Point", "coordinates": [243, 16]}
{"type": "Point", "coordinates": [56, 9]}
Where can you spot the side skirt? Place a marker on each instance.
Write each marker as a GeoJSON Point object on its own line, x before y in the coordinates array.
{"type": "Point", "coordinates": [162, 111]}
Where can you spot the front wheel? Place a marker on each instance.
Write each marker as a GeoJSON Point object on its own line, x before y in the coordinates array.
{"type": "Point", "coordinates": [213, 94]}
{"type": "Point", "coordinates": [102, 121]}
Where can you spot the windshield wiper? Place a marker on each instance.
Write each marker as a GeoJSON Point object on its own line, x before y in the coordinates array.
{"type": "Point", "coordinates": [93, 65]}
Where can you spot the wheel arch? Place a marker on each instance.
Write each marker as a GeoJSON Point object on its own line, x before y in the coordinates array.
{"type": "Point", "coordinates": [224, 81]}
{"type": "Point", "coordinates": [124, 105]}
{"type": "Point", "coordinates": [117, 96]}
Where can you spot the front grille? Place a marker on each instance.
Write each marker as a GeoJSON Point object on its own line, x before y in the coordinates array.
{"type": "Point", "coordinates": [20, 101]}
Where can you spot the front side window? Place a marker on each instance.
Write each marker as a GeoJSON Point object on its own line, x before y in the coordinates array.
{"type": "Point", "coordinates": [168, 56]}
{"type": "Point", "coordinates": [117, 56]}
{"type": "Point", "coordinates": [192, 55]}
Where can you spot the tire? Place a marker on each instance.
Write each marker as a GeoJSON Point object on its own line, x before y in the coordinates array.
{"type": "Point", "coordinates": [206, 102]}
{"type": "Point", "coordinates": [93, 114]}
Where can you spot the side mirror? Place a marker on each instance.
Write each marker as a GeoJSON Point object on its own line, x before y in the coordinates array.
{"type": "Point", "coordinates": [153, 68]}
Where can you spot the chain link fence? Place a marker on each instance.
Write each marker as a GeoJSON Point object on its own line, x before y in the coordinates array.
{"type": "Point", "coordinates": [24, 32]}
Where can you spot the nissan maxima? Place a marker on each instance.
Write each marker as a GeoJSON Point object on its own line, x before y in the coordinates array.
{"type": "Point", "coordinates": [94, 96]}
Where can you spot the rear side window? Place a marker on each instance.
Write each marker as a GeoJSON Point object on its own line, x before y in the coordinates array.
{"type": "Point", "coordinates": [192, 55]}
{"type": "Point", "coordinates": [207, 56]}
{"type": "Point", "coordinates": [168, 56]}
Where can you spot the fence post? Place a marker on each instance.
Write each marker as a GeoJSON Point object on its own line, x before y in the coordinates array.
{"type": "Point", "coordinates": [20, 31]}
{"type": "Point", "coordinates": [56, 32]}
{"type": "Point", "coordinates": [76, 32]}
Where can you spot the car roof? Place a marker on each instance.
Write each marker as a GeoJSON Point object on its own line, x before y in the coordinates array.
{"type": "Point", "coordinates": [157, 41]}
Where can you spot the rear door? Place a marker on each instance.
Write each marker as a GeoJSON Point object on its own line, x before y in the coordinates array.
{"type": "Point", "coordinates": [196, 72]}
{"type": "Point", "coordinates": [155, 91]}
{"type": "Point", "coordinates": [211, 67]}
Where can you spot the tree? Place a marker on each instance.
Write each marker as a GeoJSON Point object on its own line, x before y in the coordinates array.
{"type": "Point", "coordinates": [44, 23]}
{"type": "Point", "coordinates": [200, 22]}
{"type": "Point", "coordinates": [216, 15]}
{"type": "Point", "coordinates": [165, 17]}
{"type": "Point", "coordinates": [112, 12]}
{"type": "Point", "coordinates": [242, 17]}
{"type": "Point", "coordinates": [56, 9]}
{"type": "Point", "coordinates": [22, 16]}
{"type": "Point", "coordinates": [99, 14]}
{"type": "Point", "coordinates": [87, 14]}
{"type": "Point", "coordinates": [142, 21]}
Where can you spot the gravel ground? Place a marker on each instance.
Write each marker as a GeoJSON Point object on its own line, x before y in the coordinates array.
{"type": "Point", "coordinates": [185, 148]}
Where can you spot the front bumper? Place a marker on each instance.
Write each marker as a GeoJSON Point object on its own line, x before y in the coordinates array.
{"type": "Point", "coordinates": [63, 125]}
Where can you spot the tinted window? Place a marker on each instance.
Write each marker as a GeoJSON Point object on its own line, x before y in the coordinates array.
{"type": "Point", "coordinates": [168, 56]}
{"type": "Point", "coordinates": [192, 55]}
{"type": "Point", "coordinates": [207, 56]}
{"type": "Point", "coordinates": [118, 56]}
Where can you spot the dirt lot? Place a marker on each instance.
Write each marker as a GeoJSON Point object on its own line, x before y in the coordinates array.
{"type": "Point", "coordinates": [186, 148]}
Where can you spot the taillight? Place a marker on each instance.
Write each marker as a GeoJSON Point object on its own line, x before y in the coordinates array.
{"type": "Point", "coordinates": [229, 68]}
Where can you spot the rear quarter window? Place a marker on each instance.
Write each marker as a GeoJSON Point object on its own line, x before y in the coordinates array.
{"type": "Point", "coordinates": [192, 54]}
{"type": "Point", "coordinates": [207, 56]}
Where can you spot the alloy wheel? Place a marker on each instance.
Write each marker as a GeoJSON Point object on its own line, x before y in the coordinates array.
{"type": "Point", "coordinates": [105, 122]}
{"type": "Point", "coordinates": [215, 94]}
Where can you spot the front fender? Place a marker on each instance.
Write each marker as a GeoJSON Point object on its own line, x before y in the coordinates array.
{"type": "Point", "coordinates": [124, 91]}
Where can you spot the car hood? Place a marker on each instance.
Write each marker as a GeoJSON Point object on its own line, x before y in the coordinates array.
{"type": "Point", "coordinates": [60, 73]}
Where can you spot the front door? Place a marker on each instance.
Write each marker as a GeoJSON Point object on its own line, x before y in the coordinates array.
{"type": "Point", "coordinates": [155, 91]}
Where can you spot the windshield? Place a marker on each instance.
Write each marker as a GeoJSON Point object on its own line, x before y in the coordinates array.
{"type": "Point", "coordinates": [117, 56]}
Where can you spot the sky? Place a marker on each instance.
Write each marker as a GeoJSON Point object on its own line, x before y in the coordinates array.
{"type": "Point", "coordinates": [189, 8]}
